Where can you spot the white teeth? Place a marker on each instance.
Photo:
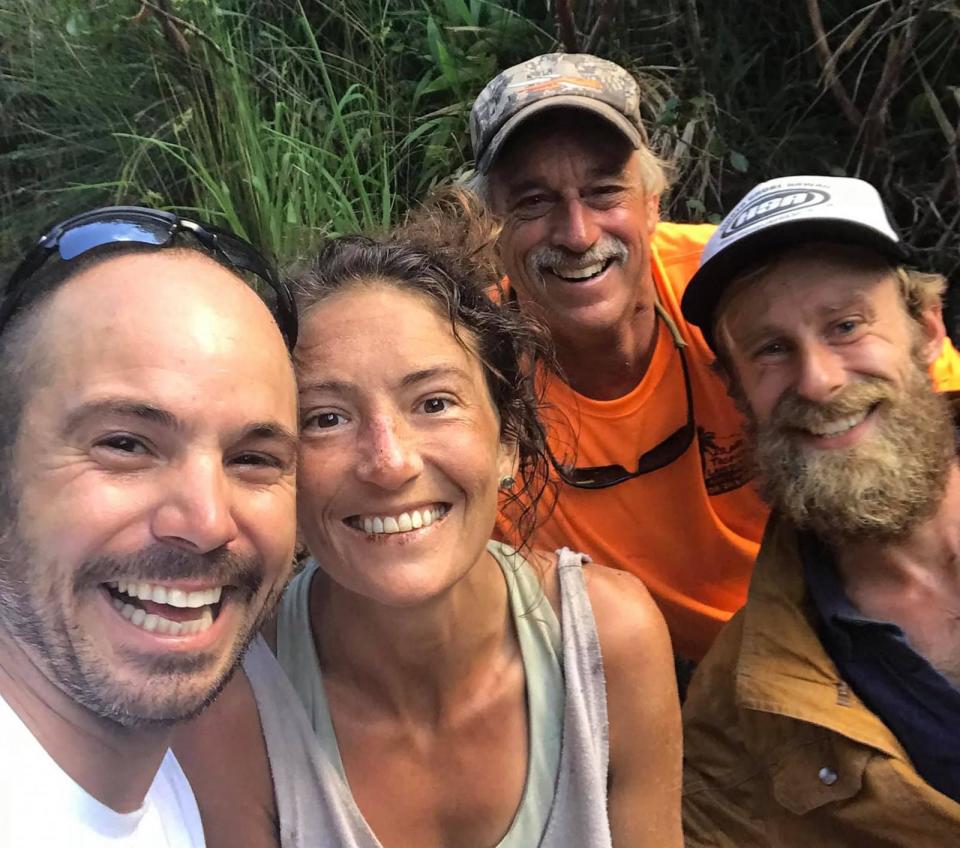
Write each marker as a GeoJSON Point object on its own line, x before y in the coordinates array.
{"type": "Point", "coordinates": [196, 600]}
{"type": "Point", "coordinates": [579, 273]}
{"type": "Point", "coordinates": [402, 523]}
{"type": "Point", "coordinates": [156, 622]}
{"type": "Point", "coordinates": [172, 597]}
{"type": "Point", "coordinates": [834, 428]}
{"type": "Point", "coordinates": [153, 623]}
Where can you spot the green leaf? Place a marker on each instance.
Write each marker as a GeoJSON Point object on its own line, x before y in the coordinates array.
{"type": "Point", "coordinates": [739, 162]}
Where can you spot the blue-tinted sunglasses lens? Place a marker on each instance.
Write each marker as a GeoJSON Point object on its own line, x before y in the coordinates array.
{"type": "Point", "coordinates": [78, 240]}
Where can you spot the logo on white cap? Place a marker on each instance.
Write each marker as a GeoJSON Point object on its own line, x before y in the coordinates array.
{"type": "Point", "coordinates": [822, 201]}
{"type": "Point", "coordinates": [773, 204]}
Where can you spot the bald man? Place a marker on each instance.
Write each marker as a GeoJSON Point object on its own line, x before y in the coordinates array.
{"type": "Point", "coordinates": [147, 459]}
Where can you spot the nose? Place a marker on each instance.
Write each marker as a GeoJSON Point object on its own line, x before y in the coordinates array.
{"type": "Point", "coordinates": [197, 514]}
{"type": "Point", "coordinates": [389, 455]}
{"type": "Point", "coordinates": [820, 372]}
{"type": "Point", "coordinates": [574, 227]}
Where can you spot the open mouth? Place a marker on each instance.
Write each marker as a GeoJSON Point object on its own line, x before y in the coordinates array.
{"type": "Point", "coordinates": [403, 522]}
{"type": "Point", "coordinates": [582, 275]}
{"type": "Point", "coordinates": [165, 610]}
{"type": "Point", "coordinates": [839, 426]}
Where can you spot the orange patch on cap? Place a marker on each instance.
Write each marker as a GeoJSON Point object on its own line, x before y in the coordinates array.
{"type": "Point", "coordinates": [557, 82]}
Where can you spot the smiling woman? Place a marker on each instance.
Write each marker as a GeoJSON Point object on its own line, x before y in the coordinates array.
{"type": "Point", "coordinates": [445, 688]}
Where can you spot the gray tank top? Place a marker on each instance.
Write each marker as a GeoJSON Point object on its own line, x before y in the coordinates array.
{"type": "Point", "coordinates": [564, 803]}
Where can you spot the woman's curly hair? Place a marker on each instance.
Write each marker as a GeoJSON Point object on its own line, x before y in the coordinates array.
{"type": "Point", "coordinates": [445, 250]}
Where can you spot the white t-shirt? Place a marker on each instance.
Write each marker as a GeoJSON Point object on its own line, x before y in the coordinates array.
{"type": "Point", "coordinates": [42, 807]}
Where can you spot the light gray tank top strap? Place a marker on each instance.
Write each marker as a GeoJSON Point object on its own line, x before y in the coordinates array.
{"type": "Point", "coordinates": [564, 801]}
{"type": "Point", "coordinates": [580, 816]}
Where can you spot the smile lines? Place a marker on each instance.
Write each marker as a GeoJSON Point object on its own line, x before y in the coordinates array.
{"type": "Point", "coordinates": [402, 523]}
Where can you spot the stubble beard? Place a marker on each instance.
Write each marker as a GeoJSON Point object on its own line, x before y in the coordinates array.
{"type": "Point", "coordinates": [878, 489]}
{"type": "Point", "coordinates": [147, 691]}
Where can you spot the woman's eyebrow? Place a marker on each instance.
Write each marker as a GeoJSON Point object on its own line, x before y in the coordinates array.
{"type": "Point", "coordinates": [437, 371]}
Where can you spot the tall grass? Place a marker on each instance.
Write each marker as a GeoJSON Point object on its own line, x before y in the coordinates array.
{"type": "Point", "coordinates": [284, 120]}
{"type": "Point", "coordinates": [272, 143]}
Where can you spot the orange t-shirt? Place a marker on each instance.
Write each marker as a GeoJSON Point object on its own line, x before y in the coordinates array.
{"type": "Point", "coordinates": [691, 530]}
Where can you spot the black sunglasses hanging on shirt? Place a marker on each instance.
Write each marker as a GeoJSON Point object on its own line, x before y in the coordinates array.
{"type": "Point", "coordinates": [659, 456]}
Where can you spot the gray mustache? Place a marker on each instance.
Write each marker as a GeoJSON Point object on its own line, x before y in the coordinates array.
{"type": "Point", "coordinates": [549, 257]}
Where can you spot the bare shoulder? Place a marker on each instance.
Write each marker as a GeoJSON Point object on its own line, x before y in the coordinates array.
{"type": "Point", "coordinates": [643, 710]}
{"type": "Point", "coordinates": [627, 617]}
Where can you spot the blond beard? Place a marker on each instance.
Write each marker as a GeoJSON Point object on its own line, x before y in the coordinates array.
{"type": "Point", "coordinates": [879, 488]}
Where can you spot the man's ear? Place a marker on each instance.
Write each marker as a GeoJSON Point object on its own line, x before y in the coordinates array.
{"type": "Point", "coordinates": [653, 212]}
{"type": "Point", "coordinates": [932, 333]}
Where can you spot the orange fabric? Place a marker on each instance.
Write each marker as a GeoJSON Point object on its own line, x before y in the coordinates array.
{"type": "Point", "coordinates": [946, 370]}
{"type": "Point", "coordinates": [689, 531]}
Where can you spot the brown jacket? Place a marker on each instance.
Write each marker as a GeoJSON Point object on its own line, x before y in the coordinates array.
{"type": "Point", "coordinates": [780, 752]}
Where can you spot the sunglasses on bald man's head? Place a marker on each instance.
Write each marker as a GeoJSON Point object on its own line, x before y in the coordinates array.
{"type": "Point", "coordinates": [659, 456]}
{"type": "Point", "coordinates": [113, 225]}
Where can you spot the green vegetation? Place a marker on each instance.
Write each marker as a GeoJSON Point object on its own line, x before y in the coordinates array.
{"type": "Point", "coordinates": [289, 119]}
{"type": "Point", "coordinates": [282, 120]}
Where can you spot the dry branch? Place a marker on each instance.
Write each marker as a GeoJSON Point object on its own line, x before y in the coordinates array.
{"type": "Point", "coordinates": [567, 27]}
{"type": "Point", "coordinates": [829, 64]}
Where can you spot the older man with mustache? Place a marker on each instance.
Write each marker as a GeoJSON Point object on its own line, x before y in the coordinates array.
{"type": "Point", "coordinates": [828, 710]}
{"type": "Point", "coordinates": [647, 448]}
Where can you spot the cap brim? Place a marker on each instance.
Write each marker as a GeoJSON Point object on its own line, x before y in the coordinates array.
{"type": "Point", "coordinates": [560, 101]}
{"type": "Point", "coordinates": [707, 286]}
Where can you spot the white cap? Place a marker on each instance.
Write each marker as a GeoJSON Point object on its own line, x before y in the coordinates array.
{"type": "Point", "coordinates": [777, 215]}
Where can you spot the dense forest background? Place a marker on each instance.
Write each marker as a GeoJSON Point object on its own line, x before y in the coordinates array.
{"type": "Point", "coordinates": [290, 119]}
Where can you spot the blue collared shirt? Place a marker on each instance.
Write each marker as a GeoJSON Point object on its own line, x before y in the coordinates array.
{"type": "Point", "coordinates": [919, 705]}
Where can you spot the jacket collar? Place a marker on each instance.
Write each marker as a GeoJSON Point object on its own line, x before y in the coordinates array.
{"type": "Point", "coordinates": [783, 668]}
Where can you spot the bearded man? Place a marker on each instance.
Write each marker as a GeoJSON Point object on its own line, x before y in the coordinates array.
{"type": "Point", "coordinates": [828, 710]}
{"type": "Point", "coordinates": [148, 423]}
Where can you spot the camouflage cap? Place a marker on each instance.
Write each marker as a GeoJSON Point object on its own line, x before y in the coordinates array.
{"type": "Point", "coordinates": [551, 81]}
